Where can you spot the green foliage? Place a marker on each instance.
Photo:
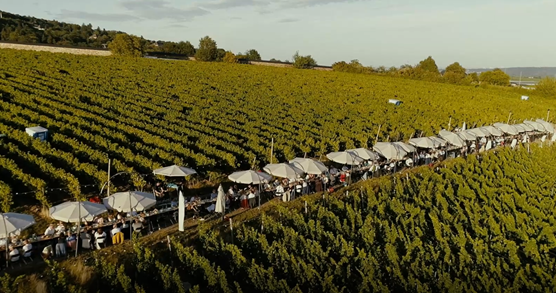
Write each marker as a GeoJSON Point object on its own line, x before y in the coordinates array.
{"type": "Point", "coordinates": [207, 51]}
{"type": "Point", "coordinates": [127, 45]}
{"type": "Point", "coordinates": [6, 200]}
{"type": "Point", "coordinates": [471, 225]}
{"type": "Point", "coordinates": [495, 77]}
{"type": "Point", "coordinates": [303, 62]}
{"type": "Point", "coordinates": [428, 65]}
{"type": "Point", "coordinates": [9, 284]}
{"type": "Point", "coordinates": [230, 57]}
{"type": "Point", "coordinates": [546, 87]}
{"type": "Point", "coordinates": [455, 74]}
{"type": "Point", "coordinates": [253, 55]}
{"type": "Point", "coordinates": [353, 67]}
{"type": "Point", "coordinates": [145, 114]}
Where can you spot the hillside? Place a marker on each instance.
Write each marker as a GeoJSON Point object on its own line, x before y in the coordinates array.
{"type": "Point", "coordinates": [27, 29]}
{"type": "Point", "coordinates": [144, 114]}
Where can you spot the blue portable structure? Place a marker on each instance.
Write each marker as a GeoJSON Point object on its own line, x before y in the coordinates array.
{"type": "Point", "coordinates": [395, 102]}
{"type": "Point", "coordinates": [37, 132]}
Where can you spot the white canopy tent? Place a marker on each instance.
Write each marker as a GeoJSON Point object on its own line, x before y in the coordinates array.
{"type": "Point", "coordinates": [309, 166]}
{"type": "Point", "coordinates": [527, 127]}
{"type": "Point", "coordinates": [492, 130]}
{"type": "Point", "coordinates": [479, 132]}
{"type": "Point", "coordinates": [519, 128]}
{"type": "Point", "coordinates": [364, 154]}
{"type": "Point", "coordinates": [506, 128]}
{"type": "Point", "coordinates": [75, 212]}
{"type": "Point", "coordinates": [423, 142]}
{"type": "Point", "coordinates": [249, 177]}
{"type": "Point", "coordinates": [406, 147]}
{"type": "Point", "coordinates": [451, 138]}
{"type": "Point", "coordinates": [438, 141]}
{"type": "Point", "coordinates": [346, 158]}
{"type": "Point", "coordinates": [389, 150]}
{"type": "Point", "coordinates": [11, 223]}
{"type": "Point", "coordinates": [130, 201]}
{"type": "Point", "coordinates": [546, 125]}
{"type": "Point", "coordinates": [465, 135]}
{"type": "Point", "coordinates": [283, 170]}
{"type": "Point", "coordinates": [536, 125]}
{"type": "Point", "coordinates": [174, 171]}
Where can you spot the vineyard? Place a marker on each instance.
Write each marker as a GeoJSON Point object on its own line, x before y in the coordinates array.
{"type": "Point", "coordinates": [217, 118]}
{"type": "Point", "coordinates": [485, 224]}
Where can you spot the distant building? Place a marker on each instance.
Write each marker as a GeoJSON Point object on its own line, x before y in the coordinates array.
{"type": "Point", "coordinates": [38, 27]}
{"type": "Point", "coordinates": [93, 37]}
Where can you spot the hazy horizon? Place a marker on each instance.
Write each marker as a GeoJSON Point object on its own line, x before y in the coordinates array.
{"type": "Point", "coordinates": [478, 34]}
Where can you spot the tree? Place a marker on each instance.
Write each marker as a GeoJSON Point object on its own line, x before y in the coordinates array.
{"type": "Point", "coordinates": [208, 51]}
{"type": "Point", "coordinates": [220, 54]}
{"type": "Point", "coordinates": [547, 87]}
{"type": "Point", "coordinates": [127, 45]}
{"type": "Point", "coordinates": [495, 77]}
{"type": "Point", "coordinates": [274, 60]}
{"type": "Point", "coordinates": [185, 48]}
{"type": "Point", "coordinates": [253, 55]}
{"type": "Point", "coordinates": [455, 73]}
{"type": "Point", "coordinates": [303, 62]}
{"type": "Point", "coordinates": [230, 57]}
{"type": "Point", "coordinates": [474, 77]}
{"type": "Point", "coordinates": [428, 65]}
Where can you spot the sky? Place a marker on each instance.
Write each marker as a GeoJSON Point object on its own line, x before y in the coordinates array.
{"type": "Point", "coordinates": [476, 33]}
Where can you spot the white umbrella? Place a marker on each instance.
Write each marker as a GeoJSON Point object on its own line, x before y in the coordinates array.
{"type": "Point", "coordinates": [451, 138]}
{"type": "Point", "coordinates": [519, 128]}
{"type": "Point", "coordinates": [466, 135]}
{"type": "Point", "coordinates": [492, 130]}
{"type": "Point", "coordinates": [537, 126]}
{"type": "Point", "coordinates": [406, 147]}
{"type": "Point", "coordinates": [364, 153]}
{"type": "Point", "coordinates": [346, 158]}
{"type": "Point", "coordinates": [283, 170]}
{"type": "Point", "coordinates": [174, 171]}
{"type": "Point", "coordinates": [309, 166]}
{"type": "Point", "coordinates": [422, 142]}
{"type": "Point", "coordinates": [527, 127]}
{"type": "Point", "coordinates": [390, 151]}
{"type": "Point", "coordinates": [74, 212]}
{"type": "Point", "coordinates": [546, 125]}
{"type": "Point", "coordinates": [220, 200]}
{"type": "Point", "coordinates": [130, 201]}
{"type": "Point", "coordinates": [478, 132]}
{"type": "Point", "coordinates": [438, 141]}
{"type": "Point", "coordinates": [13, 222]}
{"type": "Point", "coordinates": [506, 128]}
{"type": "Point", "coordinates": [249, 177]}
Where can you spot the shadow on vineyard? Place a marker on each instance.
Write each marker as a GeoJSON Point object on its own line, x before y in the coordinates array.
{"type": "Point", "coordinates": [484, 224]}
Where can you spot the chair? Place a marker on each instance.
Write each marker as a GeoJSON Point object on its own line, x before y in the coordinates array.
{"type": "Point", "coordinates": [15, 259]}
{"type": "Point", "coordinates": [60, 249]}
{"type": "Point", "coordinates": [28, 255]}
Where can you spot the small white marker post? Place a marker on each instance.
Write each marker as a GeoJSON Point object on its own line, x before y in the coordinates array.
{"type": "Point", "coordinates": [305, 207]}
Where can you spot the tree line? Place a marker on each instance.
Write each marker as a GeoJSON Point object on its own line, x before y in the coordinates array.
{"type": "Point", "coordinates": [428, 70]}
